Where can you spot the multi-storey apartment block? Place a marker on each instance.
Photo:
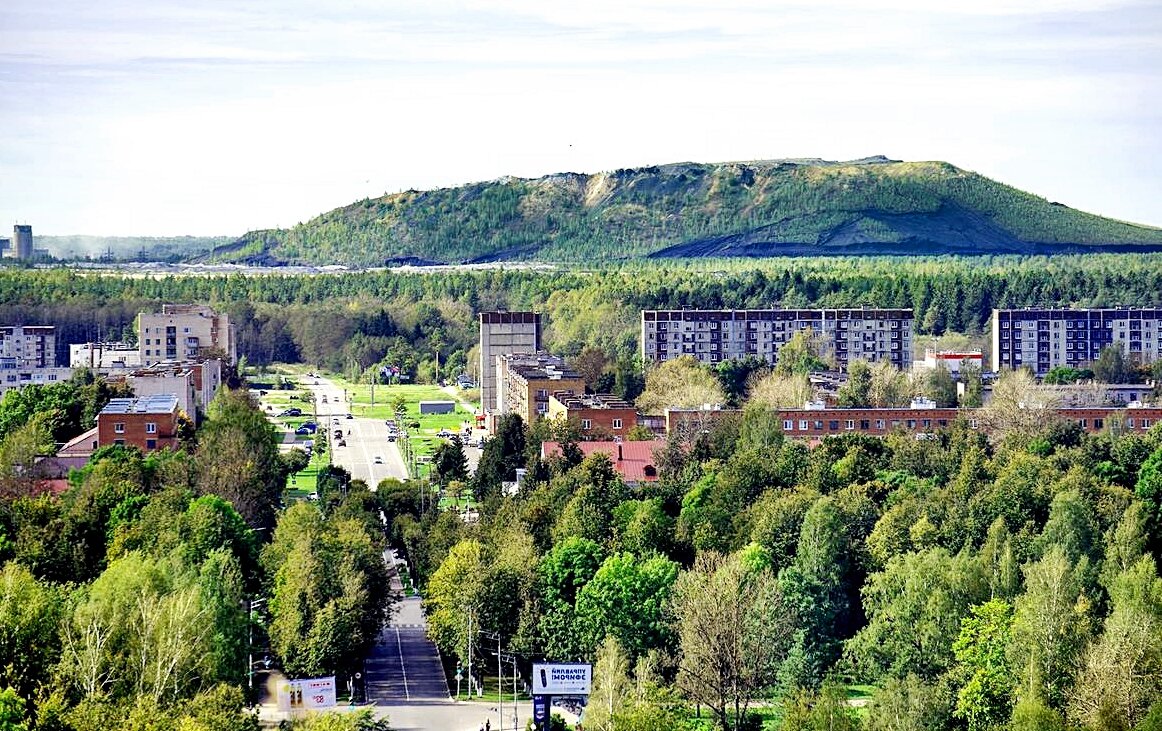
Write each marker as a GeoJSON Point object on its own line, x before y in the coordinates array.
{"type": "Point", "coordinates": [1045, 338]}
{"type": "Point", "coordinates": [713, 336]}
{"type": "Point", "coordinates": [29, 346]}
{"type": "Point", "coordinates": [184, 332]}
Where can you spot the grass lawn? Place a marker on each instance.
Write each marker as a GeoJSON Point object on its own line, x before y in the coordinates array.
{"type": "Point", "coordinates": [488, 682]}
{"type": "Point", "coordinates": [303, 483]}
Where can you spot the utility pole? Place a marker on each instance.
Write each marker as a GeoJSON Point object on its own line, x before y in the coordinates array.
{"type": "Point", "coordinates": [499, 683]}
{"type": "Point", "coordinates": [470, 676]}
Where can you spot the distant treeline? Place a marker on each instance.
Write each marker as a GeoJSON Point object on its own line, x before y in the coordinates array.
{"type": "Point", "coordinates": [357, 320]}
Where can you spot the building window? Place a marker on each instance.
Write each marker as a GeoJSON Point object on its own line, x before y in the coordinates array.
{"type": "Point", "coordinates": [849, 424]}
{"type": "Point", "coordinates": [151, 444]}
{"type": "Point", "coordinates": [586, 424]}
{"type": "Point", "coordinates": [151, 427]}
{"type": "Point", "coordinates": [803, 425]}
{"type": "Point", "coordinates": [119, 441]}
{"type": "Point", "coordinates": [617, 423]}
{"type": "Point", "coordinates": [542, 393]}
{"type": "Point", "coordinates": [119, 427]}
{"type": "Point", "coordinates": [788, 425]}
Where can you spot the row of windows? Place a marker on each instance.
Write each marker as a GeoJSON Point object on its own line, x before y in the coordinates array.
{"type": "Point", "coordinates": [864, 424]}
{"type": "Point", "coordinates": [119, 427]}
{"type": "Point", "coordinates": [588, 424]}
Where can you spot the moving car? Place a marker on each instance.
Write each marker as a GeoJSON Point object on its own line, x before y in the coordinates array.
{"type": "Point", "coordinates": [379, 460]}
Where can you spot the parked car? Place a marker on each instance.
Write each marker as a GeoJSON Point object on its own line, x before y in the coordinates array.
{"type": "Point", "coordinates": [379, 460]}
{"type": "Point", "coordinates": [324, 399]}
{"type": "Point", "coordinates": [302, 431]}
{"type": "Point", "coordinates": [446, 433]}
{"type": "Point", "coordinates": [310, 425]}
{"type": "Point", "coordinates": [291, 412]}
{"type": "Point", "coordinates": [349, 416]}
{"type": "Point", "coordinates": [342, 442]}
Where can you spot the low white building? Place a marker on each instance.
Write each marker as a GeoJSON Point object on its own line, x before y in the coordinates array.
{"type": "Point", "coordinates": [953, 360]}
{"type": "Point", "coordinates": [104, 356]}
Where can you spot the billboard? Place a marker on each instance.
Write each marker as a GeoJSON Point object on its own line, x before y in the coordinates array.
{"type": "Point", "coordinates": [307, 693]}
{"type": "Point", "coordinates": [562, 678]}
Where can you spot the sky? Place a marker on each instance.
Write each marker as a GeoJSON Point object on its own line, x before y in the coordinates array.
{"type": "Point", "coordinates": [216, 117]}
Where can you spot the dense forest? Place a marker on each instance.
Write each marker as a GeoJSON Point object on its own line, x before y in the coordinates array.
{"type": "Point", "coordinates": [135, 599]}
{"type": "Point", "coordinates": [351, 322]}
{"type": "Point", "coordinates": [760, 208]}
{"type": "Point", "coordinates": [971, 584]}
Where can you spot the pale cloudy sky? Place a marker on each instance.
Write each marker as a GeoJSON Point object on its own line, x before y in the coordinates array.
{"type": "Point", "coordinates": [155, 117]}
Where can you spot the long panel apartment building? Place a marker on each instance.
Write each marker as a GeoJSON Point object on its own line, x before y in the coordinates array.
{"type": "Point", "coordinates": [713, 336]}
{"type": "Point", "coordinates": [1044, 338]}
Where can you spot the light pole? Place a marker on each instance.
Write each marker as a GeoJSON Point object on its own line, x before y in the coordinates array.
{"type": "Point", "coordinates": [252, 605]}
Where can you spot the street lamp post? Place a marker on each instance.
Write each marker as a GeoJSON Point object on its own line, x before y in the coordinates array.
{"type": "Point", "coordinates": [253, 604]}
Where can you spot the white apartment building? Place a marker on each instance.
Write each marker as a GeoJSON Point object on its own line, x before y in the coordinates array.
{"type": "Point", "coordinates": [1044, 338]}
{"type": "Point", "coordinates": [184, 332]}
{"type": "Point", "coordinates": [713, 336]}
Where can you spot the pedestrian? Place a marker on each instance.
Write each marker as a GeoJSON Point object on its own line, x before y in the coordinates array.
{"type": "Point", "coordinates": [488, 724]}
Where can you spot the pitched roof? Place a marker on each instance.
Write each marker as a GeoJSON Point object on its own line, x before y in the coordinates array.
{"type": "Point", "coordinates": [634, 461]}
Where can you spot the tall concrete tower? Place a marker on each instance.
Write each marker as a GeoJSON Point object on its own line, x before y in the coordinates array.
{"type": "Point", "coordinates": [22, 241]}
{"type": "Point", "coordinates": [504, 333]}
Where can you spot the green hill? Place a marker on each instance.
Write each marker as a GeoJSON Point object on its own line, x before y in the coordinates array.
{"type": "Point", "coordinates": [759, 208]}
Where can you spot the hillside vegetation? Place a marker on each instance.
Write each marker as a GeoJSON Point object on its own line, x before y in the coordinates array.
{"type": "Point", "coordinates": [752, 209]}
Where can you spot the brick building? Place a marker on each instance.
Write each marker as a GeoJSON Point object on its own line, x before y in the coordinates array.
{"type": "Point", "coordinates": [633, 461]}
{"type": "Point", "coordinates": [524, 383]}
{"type": "Point", "coordinates": [818, 423]}
{"type": "Point", "coordinates": [149, 422]}
{"type": "Point", "coordinates": [599, 416]}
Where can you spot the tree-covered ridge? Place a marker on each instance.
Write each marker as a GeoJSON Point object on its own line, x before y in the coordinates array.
{"type": "Point", "coordinates": [760, 208]}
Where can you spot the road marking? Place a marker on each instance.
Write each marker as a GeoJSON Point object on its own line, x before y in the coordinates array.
{"type": "Point", "coordinates": [402, 667]}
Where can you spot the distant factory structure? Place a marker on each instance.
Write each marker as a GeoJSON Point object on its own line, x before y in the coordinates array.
{"type": "Point", "coordinates": [20, 245]}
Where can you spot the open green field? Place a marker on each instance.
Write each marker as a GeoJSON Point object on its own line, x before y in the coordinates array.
{"type": "Point", "coordinates": [423, 440]}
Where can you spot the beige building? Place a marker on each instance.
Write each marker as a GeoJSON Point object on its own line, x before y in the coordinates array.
{"type": "Point", "coordinates": [184, 332]}
{"type": "Point", "coordinates": [193, 384]}
{"type": "Point", "coordinates": [504, 333]}
{"type": "Point", "coordinates": [713, 336]}
{"type": "Point", "coordinates": [31, 346]}
{"type": "Point", "coordinates": [525, 383]}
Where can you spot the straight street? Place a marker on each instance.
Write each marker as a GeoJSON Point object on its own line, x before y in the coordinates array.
{"type": "Point", "coordinates": [368, 456]}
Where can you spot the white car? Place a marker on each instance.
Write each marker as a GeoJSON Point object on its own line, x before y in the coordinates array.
{"type": "Point", "coordinates": [379, 460]}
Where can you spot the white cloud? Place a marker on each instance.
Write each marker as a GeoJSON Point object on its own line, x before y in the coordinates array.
{"type": "Point", "coordinates": [218, 117]}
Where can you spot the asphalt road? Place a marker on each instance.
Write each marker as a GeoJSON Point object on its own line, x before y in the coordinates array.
{"type": "Point", "coordinates": [368, 455]}
{"type": "Point", "coordinates": [405, 680]}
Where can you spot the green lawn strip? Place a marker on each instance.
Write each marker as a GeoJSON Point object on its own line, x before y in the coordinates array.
{"type": "Point", "coordinates": [447, 503]}
{"type": "Point", "coordinates": [302, 484]}
{"type": "Point", "coordinates": [488, 683]}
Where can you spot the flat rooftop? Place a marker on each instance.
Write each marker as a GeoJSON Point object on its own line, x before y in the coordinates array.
{"type": "Point", "coordinates": [161, 403]}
